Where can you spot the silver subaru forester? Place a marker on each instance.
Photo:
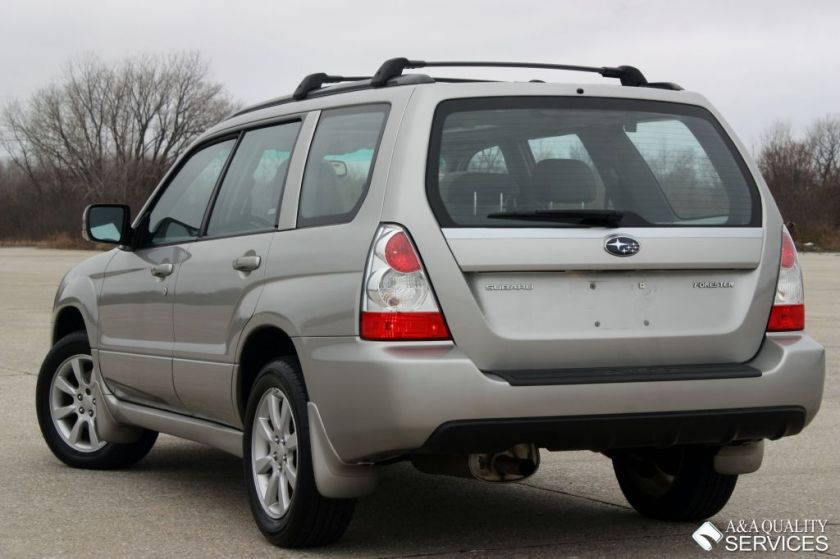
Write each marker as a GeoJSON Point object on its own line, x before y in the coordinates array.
{"type": "Point", "coordinates": [453, 272]}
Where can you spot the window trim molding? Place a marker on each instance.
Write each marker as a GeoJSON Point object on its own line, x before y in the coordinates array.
{"type": "Point", "coordinates": [302, 222]}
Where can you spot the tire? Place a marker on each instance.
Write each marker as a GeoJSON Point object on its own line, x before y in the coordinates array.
{"type": "Point", "coordinates": [306, 519]}
{"type": "Point", "coordinates": [676, 485]}
{"type": "Point", "coordinates": [69, 360]}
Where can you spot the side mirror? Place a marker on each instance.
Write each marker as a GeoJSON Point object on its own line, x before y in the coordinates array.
{"type": "Point", "coordinates": [106, 223]}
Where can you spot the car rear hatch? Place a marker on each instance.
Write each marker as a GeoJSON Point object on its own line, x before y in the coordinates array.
{"type": "Point", "coordinates": [597, 233]}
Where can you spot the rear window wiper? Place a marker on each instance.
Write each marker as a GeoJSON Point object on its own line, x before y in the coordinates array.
{"type": "Point", "coordinates": [589, 218]}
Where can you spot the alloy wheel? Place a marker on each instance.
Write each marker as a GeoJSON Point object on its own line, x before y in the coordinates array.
{"type": "Point", "coordinates": [73, 404]}
{"type": "Point", "coordinates": [274, 456]}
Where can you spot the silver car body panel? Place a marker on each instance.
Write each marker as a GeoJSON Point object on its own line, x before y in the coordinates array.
{"type": "Point", "coordinates": [171, 362]}
{"type": "Point", "coordinates": [411, 390]}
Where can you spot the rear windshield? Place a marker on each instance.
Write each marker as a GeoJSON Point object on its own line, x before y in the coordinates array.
{"type": "Point", "coordinates": [550, 162]}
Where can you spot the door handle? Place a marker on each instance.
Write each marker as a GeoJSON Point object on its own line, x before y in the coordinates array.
{"type": "Point", "coordinates": [247, 263]}
{"type": "Point", "coordinates": [162, 270]}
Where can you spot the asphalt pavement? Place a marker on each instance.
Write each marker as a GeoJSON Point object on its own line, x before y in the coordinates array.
{"type": "Point", "coordinates": [188, 500]}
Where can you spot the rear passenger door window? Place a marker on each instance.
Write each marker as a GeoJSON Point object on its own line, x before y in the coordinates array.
{"type": "Point", "coordinates": [249, 198]}
{"type": "Point", "coordinates": [340, 164]}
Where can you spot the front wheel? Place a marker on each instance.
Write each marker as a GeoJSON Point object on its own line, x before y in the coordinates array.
{"type": "Point", "coordinates": [677, 484]}
{"type": "Point", "coordinates": [277, 464]}
{"type": "Point", "coordinates": [67, 411]}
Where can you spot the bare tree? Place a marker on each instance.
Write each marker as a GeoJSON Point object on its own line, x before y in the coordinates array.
{"type": "Point", "coordinates": [106, 129]}
{"type": "Point", "coordinates": [803, 176]}
{"type": "Point", "coordinates": [824, 146]}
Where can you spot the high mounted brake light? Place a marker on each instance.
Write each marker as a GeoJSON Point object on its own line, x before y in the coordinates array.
{"type": "Point", "coordinates": [788, 313]}
{"type": "Point", "coordinates": [398, 303]}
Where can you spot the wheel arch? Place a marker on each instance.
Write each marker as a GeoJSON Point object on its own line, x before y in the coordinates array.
{"type": "Point", "coordinates": [262, 342]}
{"type": "Point", "coordinates": [68, 319]}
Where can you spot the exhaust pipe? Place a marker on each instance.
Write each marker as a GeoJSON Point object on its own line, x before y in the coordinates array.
{"type": "Point", "coordinates": [514, 464]}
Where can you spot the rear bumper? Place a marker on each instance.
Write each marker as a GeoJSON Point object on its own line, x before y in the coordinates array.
{"type": "Point", "coordinates": [379, 399]}
{"type": "Point", "coordinates": [624, 430]}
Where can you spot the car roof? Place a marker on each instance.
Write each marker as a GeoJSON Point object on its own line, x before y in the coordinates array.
{"type": "Point", "coordinates": [390, 84]}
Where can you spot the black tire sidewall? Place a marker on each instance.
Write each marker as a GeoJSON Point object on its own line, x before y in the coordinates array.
{"type": "Point", "coordinates": [697, 492]}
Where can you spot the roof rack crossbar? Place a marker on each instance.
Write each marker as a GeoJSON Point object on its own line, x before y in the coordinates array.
{"type": "Point", "coordinates": [315, 81]}
{"type": "Point", "coordinates": [394, 67]}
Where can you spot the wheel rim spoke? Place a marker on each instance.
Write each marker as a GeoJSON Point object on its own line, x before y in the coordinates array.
{"type": "Point", "coordinates": [62, 384]}
{"type": "Point", "coordinates": [78, 372]}
{"type": "Point", "coordinates": [285, 416]}
{"type": "Point", "coordinates": [262, 465]}
{"type": "Point", "coordinates": [284, 490]}
{"type": "Point", "coordinates": [274, 405]}
{"type": "Point", "coordinates": [271, 490]}
{"type": "Point", "coordinates": [264, 430]}
{"type": "Point", "coordinates": [274, 445]}
{"type": "Point", "coordinates": [76, 431]}
{"type": "Point", "coordinates": [94, 438]}
{"type": "Point", "coordinates": [291, 475]}
{"type": "Point", "coordinates": [64, 411]}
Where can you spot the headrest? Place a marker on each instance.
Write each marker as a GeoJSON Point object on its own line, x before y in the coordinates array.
{"type": "Point", "coordinates": [565, 181]}
{"type": "Point", "coordinates": [485, 189]}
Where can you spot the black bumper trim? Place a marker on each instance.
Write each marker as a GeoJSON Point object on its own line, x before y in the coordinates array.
{"type": "Point", "coordinates": [595, 375]}
{"type": "Point", "coordinates": [626, 430]}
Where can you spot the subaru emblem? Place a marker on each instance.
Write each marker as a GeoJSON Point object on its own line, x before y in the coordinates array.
{"type": "Point", "coordinates": [618, 245]}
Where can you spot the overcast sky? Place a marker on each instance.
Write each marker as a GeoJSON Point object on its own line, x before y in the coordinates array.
{"type": "Point", "coordinates": [757, 60]}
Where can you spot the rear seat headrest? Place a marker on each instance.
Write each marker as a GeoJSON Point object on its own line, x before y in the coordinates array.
{"type": "Point", "coordinates": [564, 181]}
{"type": "Point", "coordinates": [482, 188]}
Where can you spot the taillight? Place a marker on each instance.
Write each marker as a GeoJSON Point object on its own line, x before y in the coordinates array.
{"type": "Point", "coordinates": [788, 311]}
{"type": "Point", "coordinates": [398, 302]}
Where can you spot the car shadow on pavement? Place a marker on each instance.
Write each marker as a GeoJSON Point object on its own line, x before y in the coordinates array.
{"type": "Point", "coordinates": [413, 513]}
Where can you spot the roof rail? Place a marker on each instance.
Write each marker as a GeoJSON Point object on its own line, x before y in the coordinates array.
{"type": "Point", "coordinates": [314, 81]}
{"type": "Point", "coordinates": [394, 67]}
{"type": "Point", "coordinates": [391, 73]}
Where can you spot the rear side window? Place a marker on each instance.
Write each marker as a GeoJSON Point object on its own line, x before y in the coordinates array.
{"type": "Point", "coordinates": [249, 197]}
{"type": "Point", "coordinates": [340, 164]}
{"type": "Point", "coordinates": [658, 164]}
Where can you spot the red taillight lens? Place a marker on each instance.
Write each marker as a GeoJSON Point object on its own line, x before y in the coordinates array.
{"type": "Point", "coordinates": [397, 299]}
{"type": "Point", "coordinates": [400, 255]}
{"type": "Point", "coordinates": [788, 251]}
{"type": "Point", "coordinates": [788, 313]}
{"type": "Point", "coordinates": [785, 318]}
{"type": "Point", "coordinates": [404, 326]}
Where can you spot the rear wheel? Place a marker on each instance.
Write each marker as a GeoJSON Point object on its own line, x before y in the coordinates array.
{"type": "Point", "coordinates": [677, 484]}
{"type": "Point", "coordinates": [67, 410]}
{"type": "Point", "coordinates": [278, 464]}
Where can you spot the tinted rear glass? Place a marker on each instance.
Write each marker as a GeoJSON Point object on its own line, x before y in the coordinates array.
{"type": "Point", "coordinates": [659, 164]}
